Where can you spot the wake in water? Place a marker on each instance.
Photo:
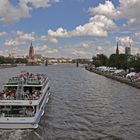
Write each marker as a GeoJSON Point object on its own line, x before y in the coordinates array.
{"type": "Point", "coordinates": [13, 134]}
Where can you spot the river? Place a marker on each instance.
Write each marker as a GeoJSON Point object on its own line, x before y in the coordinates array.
{"type": "Point", "coordinates": [82, 106]}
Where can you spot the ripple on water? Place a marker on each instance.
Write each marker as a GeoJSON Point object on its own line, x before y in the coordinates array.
{"type": "Point", "coordinates": [83, 106]}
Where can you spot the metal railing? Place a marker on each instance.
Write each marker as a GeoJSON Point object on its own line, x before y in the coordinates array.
{"type": "Point", "coordinates": [19, 92]}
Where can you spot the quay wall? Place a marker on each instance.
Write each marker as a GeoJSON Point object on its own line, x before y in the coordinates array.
{"type": "Point", "coordinates": [117, 78]}
{"type": "Point", "coordinates": [6, 66]}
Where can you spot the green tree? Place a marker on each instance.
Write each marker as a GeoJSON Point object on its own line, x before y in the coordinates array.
{"type": "Point", "coordinates": [21, 60]}
{"type": "Point", "coordinates": [100, 60]}
{"type": "Point", "coordinates": [1, 59]}
{"type": "Point", "coordinates": [8, 60]}
{"type": "Point", "coordinates": [118, 60]}
{"type": "Point", "coordinates": [134, 62]}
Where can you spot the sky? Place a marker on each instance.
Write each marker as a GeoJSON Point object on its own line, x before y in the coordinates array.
{"type": "Point", "coordinates": [69, 28]}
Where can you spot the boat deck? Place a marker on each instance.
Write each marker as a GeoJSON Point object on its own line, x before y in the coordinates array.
{"type": "Point", "coordinates": [23, 87]}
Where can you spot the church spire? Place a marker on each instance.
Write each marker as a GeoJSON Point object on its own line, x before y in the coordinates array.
{"type": "Point", "coordinates": [31, 43]}
{"type": "Point", "coordinates": [117, 49]}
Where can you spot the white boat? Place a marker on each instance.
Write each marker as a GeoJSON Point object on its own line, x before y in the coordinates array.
{"type": "Point", "coordinates": [23, 100]}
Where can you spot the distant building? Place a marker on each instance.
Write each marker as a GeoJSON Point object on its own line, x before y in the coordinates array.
{"type": "Point", "coordinates": [128, 51]}
{"type": "Point", "coordinates": [31, 57]}
{"type": "Point", "coordinates": [117, 49]}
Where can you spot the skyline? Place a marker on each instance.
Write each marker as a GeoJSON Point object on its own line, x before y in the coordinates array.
{"type": "Point", "coordinates": [61, 28]}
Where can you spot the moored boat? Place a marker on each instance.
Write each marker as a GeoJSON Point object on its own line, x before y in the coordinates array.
{"type": "Point", "coordinates": [23, 100]}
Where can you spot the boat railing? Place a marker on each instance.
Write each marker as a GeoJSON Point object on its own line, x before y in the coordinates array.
{"type": "Point", "coordinates": [21, 112]}
{"type": "Point", "coordinates": [19, 92]}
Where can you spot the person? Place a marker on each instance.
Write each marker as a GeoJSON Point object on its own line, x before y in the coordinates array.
{"type": "Point", "coordinates": [22, 79]}
{"type": "Point", "coordinates": [30, 111]}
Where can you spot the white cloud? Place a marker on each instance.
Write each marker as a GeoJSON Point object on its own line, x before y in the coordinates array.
{"type": "Point", "coordinates": [137, 34]}
{"type": "Point", "coordinates": [45, 49]}
{"type": "Point", "coordinates": [97, 26]}
{"type": "Point", "coordinates": [20, 39]}
{"type": "Point", "coordinates": [126, 41]}
{"type": "Point", "coordinates": [127, 9]}
{"type": "Point", "coordinates": [84, 49]}
{"type": "Point", "coordinates": [10, 13]}
{"type": "Point", "coordinates": [49, 38]}
{"type": "Point", "coordinates": [40, 3]}
{"type": "Point", "coordinates": [23, 37]}
{"type": "Point", "coordinates": [11, 42]}
{"type": "Point", "coordinates": [2, 33]}
{"type": "Point", "coordinates": [106, 9]}
{"type": "Point", "coordinates": [135, 50]}
{"type": "Point", "coordinates": [60, 32]}
{"type": "Point", "coordinates": [78, 53]}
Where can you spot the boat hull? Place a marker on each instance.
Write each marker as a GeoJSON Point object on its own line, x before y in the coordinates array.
{"type": "Point", "coordinates": [18, 126]}
{"type": "Point", "coordinates": [25, 123]}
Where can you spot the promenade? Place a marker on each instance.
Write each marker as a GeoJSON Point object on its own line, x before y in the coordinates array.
{"type": "Point", "coordinates": [131, 82]}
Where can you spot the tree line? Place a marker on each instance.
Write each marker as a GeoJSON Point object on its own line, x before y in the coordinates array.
{"type": "Point", "coordinates": [120, 61]}
{"type": "Point", "coordinates": [9, 60]}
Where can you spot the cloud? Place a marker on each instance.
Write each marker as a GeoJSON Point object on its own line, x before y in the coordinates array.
{"type": "Point", "coordinates": [97, 26]}
{"type": "Point", "coordinates": [41, 3]}
{"type": "Point", "coordinates": [60, 32]}
{"type": "Point", "coordinates": [134, 50]}
{"type": "Point", "coordinates": [49, 38]}
{"type": "Point", "coordinates": [10, 13]}
{"type": "Point", "coordinates": [11, 42]}
{"type": "Point", "coordinates": [126, 41]}
{"type": "Point", "coordinates": [137, 35]}
{"type": "Point", "coordinates": [107, 9]}
{"type": "Point", "coordinates": [20, 38]}
{"type": "Point", "coordinates": [127, 9]}
{"type": "Point", "coordinates": [130, 10]}
{"type": "Point", "coordinates": [2, 33]}
{"type": "Point", "coordinates": [23, 37]}
{"type": "Point", "coordinates": [45, 49]}
{"type": "Point", "coordinates": [78, 53]}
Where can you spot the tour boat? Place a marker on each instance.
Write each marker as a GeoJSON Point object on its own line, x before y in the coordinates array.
{"type": "Point", "coordinates": [23, 100]}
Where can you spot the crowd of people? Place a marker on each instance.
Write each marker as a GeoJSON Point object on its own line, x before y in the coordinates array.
{"type": "Point", "coordinates": [28, 93]}
{"type": "Point", "coordinates": [121, 73]}
{"type": "Point", "coordinates": [10, 94]}
{"type": "Point", "coordinates": [31, 95]}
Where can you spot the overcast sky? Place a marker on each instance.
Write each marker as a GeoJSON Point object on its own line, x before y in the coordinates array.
{"type": "Point", "coordinates": [69, 28]}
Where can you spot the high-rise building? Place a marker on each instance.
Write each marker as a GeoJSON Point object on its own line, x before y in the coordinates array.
{"type": "Point", "coordinates": [117, 49]}
{"type": "Point", "coordinates": [127, 50]}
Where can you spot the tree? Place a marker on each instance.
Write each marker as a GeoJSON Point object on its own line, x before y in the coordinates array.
{"type": "Point", "coordinates": [113, 60]}
{"type": "Point", "coordinates": [1, 59]}
{"type": "Point", "coordinates": [134, 62]}
{"type": "Point", "coordinates": [8, 60]}
{"type": "Point", "coordinates": [122, 62]}
{"type": "Point", "coordinates": [100, 60]}
{"type": "Point", "coordinates": [21, 60]}
{"type": "Point", "coordinates": [118, 60]}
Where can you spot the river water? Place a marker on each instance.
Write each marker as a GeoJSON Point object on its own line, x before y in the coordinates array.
{"type": "Point", "coordinates": [82, 106]}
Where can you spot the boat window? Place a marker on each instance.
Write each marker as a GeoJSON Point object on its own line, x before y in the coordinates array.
{"type": "Point", "coordinates": [9, 93]}
{"type": "Point", "coordinates": [32, 93]}
{"type": "Point", "coordinates": [17, 111]}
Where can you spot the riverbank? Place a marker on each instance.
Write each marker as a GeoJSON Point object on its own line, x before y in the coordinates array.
{"type": "Point", "coordinates": [117, 78]}
{"type": "Point", "coordinates": [3, 66]}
